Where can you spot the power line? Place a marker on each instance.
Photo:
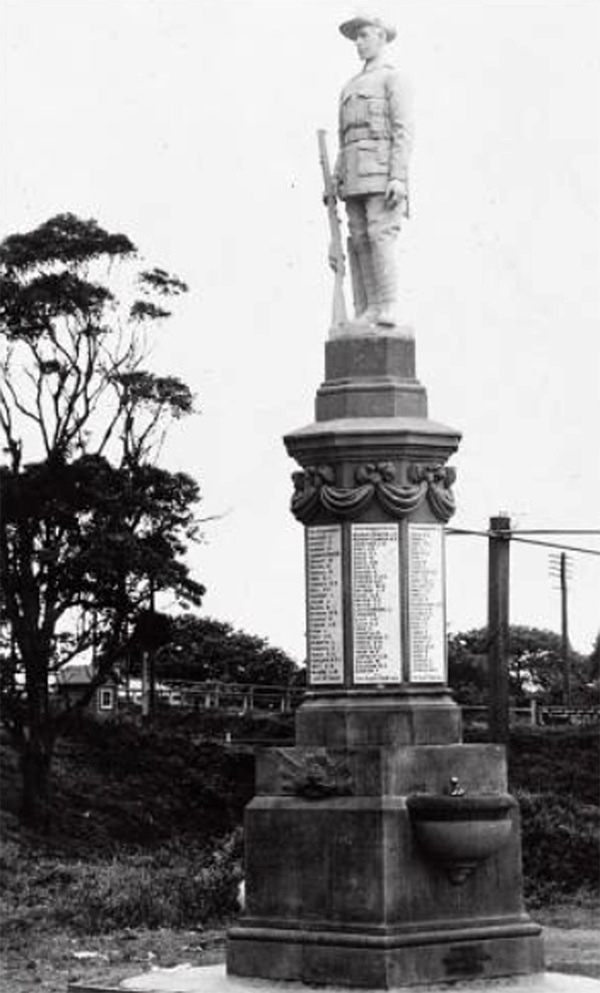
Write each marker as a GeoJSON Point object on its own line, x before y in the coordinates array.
{"type": "Point", "coordinates": [477, 534]}
{"type": "Point", "coordinates": [555, 531]}
{"type": "Point", "coordinates": [553, 544]}
{"type": "Point", "coordinates": [525, 541]}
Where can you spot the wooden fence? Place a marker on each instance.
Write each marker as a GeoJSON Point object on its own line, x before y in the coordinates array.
{"type": "Point", "coordinates": [242, 698]}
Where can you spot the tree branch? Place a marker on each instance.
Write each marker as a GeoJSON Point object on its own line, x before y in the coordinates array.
{"type": "Point", "coordinates": [19, 406]}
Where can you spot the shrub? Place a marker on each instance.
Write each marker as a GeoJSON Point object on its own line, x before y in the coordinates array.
{"type": "Point", "coordinates": [560, 761]}
{"type": "Point", "coordinates": [561, 849]}
{"type": "Point", "coordinates": [174, 887]}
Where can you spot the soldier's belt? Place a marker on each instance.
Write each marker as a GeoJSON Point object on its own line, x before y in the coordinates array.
{"type": "Point", "coordinates": [352, 134]}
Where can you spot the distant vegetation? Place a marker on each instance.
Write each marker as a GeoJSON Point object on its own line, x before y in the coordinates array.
{"type": "Point", "coordinates": [203, 648]}
{"type": "Point", "coordinates": [535, 668]}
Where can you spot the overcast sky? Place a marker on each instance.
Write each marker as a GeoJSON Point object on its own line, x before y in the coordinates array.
{"type": "Point", "coordinates": [190, 126]}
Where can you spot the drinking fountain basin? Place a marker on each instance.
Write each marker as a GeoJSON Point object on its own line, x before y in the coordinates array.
{"type": "Point", "coordinates": [459, 831]}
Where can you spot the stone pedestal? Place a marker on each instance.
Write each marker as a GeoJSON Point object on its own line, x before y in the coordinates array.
{"type": "Point", "coordinates": [342, 886]}
{"type": "Point", "coordinates": [370, 376]}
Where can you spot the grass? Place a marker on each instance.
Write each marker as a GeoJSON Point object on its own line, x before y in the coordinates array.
{"type": "Point", "coordinates": [143, 859]}
{"type": "Point", "coordinates": [172, 887]}
{"type": "Point", "coordinates": [58, 958]}
{"type": "Point", "coordinates": [121, 787]}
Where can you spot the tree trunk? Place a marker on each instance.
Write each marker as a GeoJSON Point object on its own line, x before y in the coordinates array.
{"type": "Point", "coordinates": [36, 760]}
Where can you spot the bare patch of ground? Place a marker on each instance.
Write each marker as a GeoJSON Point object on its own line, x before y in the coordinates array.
{"type": "Point", "coordinates": [572, 938]}
{"type": "Point", "coordinates": [48, 962]}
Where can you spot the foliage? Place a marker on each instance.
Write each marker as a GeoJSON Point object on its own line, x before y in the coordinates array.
{"type": "Point", "coordinates": [174, 887]}
{"type": "Point", "coordinates": [91, 528]}
{"type": "Point", "coordinates": [202, 649]}
{"type": "Point", "coordinates": [467, 670]}
{"type": "Point", "coordinates": [560, 841]}
{"type": "Point", "coordinates": [535, 667]}
{"type": "Point", "coordinates": [145, 831]}
{"type": "Point", "coordinates": [262, 727]}
{"type": "Point", "coordinates": [554, 774]}
{"type": "Point", "coordinates": [120, 787]}
{"type": "Point", "coordinates": [562, 760]}
{"type": "Point", "coordinates": [593, 672]}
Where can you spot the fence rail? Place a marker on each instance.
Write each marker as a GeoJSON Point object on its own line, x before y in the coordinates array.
{"type": "Point", "coordinates": [237, 698]}
{"type": "Point", "coordinates": [242, 698]}
{"type": "Point", "coordinates": [537, 715]}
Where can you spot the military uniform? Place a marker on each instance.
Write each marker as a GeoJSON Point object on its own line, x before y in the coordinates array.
{"type": "Point", "coordinates": [375, 132]}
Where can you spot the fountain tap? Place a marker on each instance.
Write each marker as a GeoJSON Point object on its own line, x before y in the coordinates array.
{"type": "Point", "coordinates": [455, 789]}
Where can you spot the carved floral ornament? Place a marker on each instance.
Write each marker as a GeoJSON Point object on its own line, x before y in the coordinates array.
{"type": "Point", "coordinates": [314, 491]}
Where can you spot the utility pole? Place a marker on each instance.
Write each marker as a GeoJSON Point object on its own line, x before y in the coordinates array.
{"type": "Point", "coordinates": [152, 658]}
{"type": "Point", "coordinates": [498, 626]}
{"type": "Point", "coordinates": [147, 641]}
{"type": "Point", "coordinates": [145, 684]}
{"type": "Point", "coordinates": [560, 566]}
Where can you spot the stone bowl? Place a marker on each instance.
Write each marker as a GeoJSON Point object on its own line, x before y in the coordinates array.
{"type": "Point", "coordinates": [460, 832]}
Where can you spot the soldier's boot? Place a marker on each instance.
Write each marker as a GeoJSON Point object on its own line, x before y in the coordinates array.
{"type": "Point", "coordinates": [363, 283]}
{"type": "Point", "coordinates": [386, 281]}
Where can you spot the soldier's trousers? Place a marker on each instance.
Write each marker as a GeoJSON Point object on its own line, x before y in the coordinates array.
{"type": "Point", "coordinates": [374, 228]}
{"type": "Point", "coordinates": [370, 220]}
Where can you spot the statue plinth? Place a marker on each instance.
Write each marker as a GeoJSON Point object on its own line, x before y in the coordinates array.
{"type": "Point", "coordinates": [340, 887]}
{"type": "Point", "coordinates": [370, 375]}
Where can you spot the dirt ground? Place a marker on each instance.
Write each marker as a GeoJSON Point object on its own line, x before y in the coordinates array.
{"type": "Point", "coordinates": [571, 939]}
{"type": "Point", "coordinates": [52, 961]}
{"type": "Point", "coordinates": [48, 962]}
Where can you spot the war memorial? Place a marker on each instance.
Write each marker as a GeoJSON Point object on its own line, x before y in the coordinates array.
{"type": "Point", "coordinates": [381, 851]}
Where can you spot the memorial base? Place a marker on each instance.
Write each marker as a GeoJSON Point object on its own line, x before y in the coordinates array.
{"type": "Point", "coordinates": [339, 890]}
{"type": "Point", "coordinates": [389, 961]}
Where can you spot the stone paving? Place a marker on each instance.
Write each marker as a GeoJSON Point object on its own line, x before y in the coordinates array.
{"type": "Point", "coordinates": [213, 979]}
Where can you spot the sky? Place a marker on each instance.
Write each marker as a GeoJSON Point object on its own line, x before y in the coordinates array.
{"type": "Point", "coordinates": [190, 125]}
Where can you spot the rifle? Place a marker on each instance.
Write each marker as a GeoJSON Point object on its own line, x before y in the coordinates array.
{"type": "Point", "coordinates": [338, 314]}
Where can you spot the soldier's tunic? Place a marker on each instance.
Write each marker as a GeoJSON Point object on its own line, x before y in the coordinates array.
{"type": "Point", "coordinates": [375, 132]}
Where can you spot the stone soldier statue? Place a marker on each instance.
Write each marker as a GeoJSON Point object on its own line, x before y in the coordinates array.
{"type": "Point", "coordinates": [370, 175]}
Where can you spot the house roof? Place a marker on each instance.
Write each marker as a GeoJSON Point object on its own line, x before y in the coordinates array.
{"type": "Point", "coordinates": [75, 674]}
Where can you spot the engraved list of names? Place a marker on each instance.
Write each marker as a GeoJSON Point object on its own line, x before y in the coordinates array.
{"type": "Point", "coordinates": [324, 600]}
{"type": "Point", "coordinates": [426, 603]}
{"type": "Point", "coordinates": [376, 603]}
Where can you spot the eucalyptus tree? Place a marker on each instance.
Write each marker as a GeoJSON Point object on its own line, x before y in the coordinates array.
{"type": "Point", "coordinates": [91, 524]}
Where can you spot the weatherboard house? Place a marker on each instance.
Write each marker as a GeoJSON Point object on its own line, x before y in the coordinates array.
{"type": "Point", "coordinates": [73, 682]}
